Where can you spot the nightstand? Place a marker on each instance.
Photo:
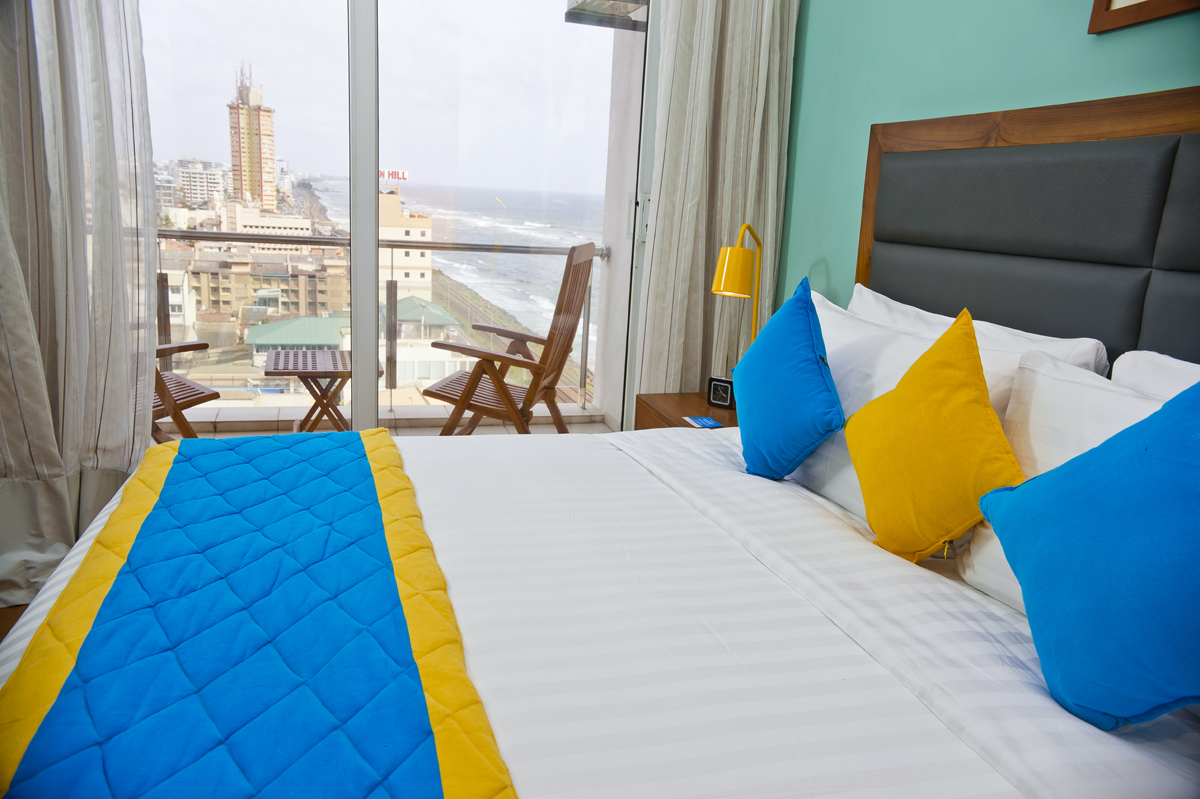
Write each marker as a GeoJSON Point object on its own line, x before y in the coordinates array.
{"type": "Point", "coordinates": [668, 410]}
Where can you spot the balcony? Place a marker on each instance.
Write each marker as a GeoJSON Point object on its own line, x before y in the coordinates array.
{"type": "Point", "coordinates": [244, 313]}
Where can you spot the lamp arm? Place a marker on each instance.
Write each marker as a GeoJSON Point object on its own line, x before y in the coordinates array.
{"type": "Point", "coordinates": [757, 276]}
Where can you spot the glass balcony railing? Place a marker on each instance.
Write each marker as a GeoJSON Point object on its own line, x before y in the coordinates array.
{"type": "Point", "coordinates": [247, 293]}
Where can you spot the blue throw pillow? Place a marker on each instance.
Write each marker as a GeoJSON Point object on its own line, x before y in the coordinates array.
{"type": "Point", "coordinates": [1107, 550]}
{"type": "Point", "coordinates": [786, 401]}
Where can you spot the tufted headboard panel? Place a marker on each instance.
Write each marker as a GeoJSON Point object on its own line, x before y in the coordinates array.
{"type": "Point", "coordinates": [1079, 220]}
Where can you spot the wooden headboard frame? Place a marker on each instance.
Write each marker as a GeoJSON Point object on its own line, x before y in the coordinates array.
{"type": "Point", "coordinates": [1155, 114]}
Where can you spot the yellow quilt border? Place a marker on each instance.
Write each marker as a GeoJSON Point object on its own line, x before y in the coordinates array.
{"type": "Point", "coordinates": [468, 757]}
{"type": "Point", "coordinates": [35, 684]}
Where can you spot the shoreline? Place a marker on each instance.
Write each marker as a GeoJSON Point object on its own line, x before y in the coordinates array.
{"type": "Point", "coordinates": [314, 209]}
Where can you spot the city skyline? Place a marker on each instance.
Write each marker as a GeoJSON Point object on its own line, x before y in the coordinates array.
{"type": "Point", "coordinates": [485, 95]}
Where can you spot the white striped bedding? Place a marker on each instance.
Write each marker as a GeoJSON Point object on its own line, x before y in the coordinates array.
{"type": "Point", "coordinates": [624, 645]}
{"type": "Point", "coordinates": [642, 619]}
{"type": "Point", "coordinates": [967, 657]}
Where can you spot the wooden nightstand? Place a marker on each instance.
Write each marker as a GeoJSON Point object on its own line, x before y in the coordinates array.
{"type": "Point", "coordinates": [668, 410]}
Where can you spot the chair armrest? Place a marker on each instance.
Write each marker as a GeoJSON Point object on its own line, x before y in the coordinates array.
{"type": "Point", "coordinates": [516, 335]}
{"type": "Point", "coordinates": [490, 355]}
{"type": "Point", "coordinates": [167, 350]}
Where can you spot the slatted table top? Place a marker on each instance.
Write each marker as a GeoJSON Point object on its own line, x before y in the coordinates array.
{"type": "Point", "coordinates": [309, 363]}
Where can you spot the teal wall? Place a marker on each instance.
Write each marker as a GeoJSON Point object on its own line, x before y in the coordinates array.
{"type": "Point", "coordinates": [859, 62]}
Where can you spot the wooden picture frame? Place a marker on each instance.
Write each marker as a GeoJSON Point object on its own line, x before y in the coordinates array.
{"type": "Point", "coordinates": [1105, 18]}
{"type": "Point", "coordinates": [1155, 114]}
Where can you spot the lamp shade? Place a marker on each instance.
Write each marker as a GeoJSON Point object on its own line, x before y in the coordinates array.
{"type": "Point", "coordinates": [735, 272]}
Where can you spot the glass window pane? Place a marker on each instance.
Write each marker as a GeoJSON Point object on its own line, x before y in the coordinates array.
{"type": "Point", "coordinates": [251, 139]}
{"type": "Point", "coordinates": [493, 131]}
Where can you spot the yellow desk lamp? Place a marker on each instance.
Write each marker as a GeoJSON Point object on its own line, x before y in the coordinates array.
{"type": "Point", "coordinates": [739, 270]}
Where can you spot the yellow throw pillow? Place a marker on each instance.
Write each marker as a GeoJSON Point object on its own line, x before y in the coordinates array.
{"type": "Point", "coordinates": [927, 450]}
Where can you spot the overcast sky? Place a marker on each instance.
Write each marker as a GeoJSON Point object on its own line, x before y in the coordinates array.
{"type": "Point", "coordinates": [472, 92]}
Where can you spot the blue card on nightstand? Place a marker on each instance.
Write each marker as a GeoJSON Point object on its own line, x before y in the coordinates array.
{"type": "Point", "coordinates": [702, 421]}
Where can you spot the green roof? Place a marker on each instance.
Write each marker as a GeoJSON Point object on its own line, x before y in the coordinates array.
{"type": "Point", "coordinates": [414, 309]}
{"type": "Point", "coordinates": [306, 331]}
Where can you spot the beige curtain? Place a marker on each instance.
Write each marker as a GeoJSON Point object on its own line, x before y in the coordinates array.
{"type": "Point", "coordinates": [77, 262]}
{"type": "Point", "coordinates": [720, 159]}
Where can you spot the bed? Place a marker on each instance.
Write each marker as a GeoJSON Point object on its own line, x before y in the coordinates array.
{"type": "Point", "coordinates": [660, 623]}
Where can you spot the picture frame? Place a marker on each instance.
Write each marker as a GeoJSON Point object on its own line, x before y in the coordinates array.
{"type": "Point", "coordinates": [720, 393]}
{"type": "Point", "coordinates": [1132, 12]}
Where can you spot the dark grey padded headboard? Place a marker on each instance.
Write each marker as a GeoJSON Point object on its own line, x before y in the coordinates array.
{"type": "Point", "coordinates": [1098, 239]}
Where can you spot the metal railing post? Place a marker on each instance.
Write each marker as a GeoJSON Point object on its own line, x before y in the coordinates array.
{"type": "Point", "coordinates": [587, 335]}
{"type": "Point", "coordinates": [389, 374]}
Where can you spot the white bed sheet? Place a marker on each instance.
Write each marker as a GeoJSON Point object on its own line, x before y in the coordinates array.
{"type": "Point", "coordinates": [625, 645]}
{"type": "Point", "coordinates": [642, 618]}
{"type": "Point", "coordinates": [967, 657]}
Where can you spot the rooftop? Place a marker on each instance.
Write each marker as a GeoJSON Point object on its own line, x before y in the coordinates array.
{"type": "Point", "coordinates": [415, 309]}
{"type": "Point", "coordinates": [307, 331]}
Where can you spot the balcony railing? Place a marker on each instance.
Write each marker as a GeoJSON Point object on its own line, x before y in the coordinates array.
{"type": "Point", "coordinates": [602, 253]}
{"type": "Point", "coordinates": [340, 241]}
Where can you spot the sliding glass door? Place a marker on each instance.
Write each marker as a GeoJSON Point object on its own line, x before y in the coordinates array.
{"type": "Point", "coordinates": [470, 138]}
{"type": "Point", "coordinates": [493, 140]}
{"type": "Point", "coordinates": [249, 117]}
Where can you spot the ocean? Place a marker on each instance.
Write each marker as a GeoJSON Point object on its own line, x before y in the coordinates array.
{"type": "Point", "coordinates": [524, 285]}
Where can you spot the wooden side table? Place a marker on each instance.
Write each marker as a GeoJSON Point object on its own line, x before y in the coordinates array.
{"type": "Point", "coordinates": [324, 373]}
{"type": "Point", "coordinates": [668, 410]}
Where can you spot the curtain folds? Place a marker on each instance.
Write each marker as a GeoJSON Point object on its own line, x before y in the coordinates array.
{"type": "Point", "coordinates": [720, 159]}
{"type": "Point", "coordinates": [77, 265]}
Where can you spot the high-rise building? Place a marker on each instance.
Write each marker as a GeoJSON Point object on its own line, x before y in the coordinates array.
{"type": "Point", "coordinates": [252, 145]}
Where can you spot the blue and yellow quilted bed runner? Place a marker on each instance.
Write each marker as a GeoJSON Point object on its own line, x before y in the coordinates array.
{"type": "Point", "coordinates": [258, 617]}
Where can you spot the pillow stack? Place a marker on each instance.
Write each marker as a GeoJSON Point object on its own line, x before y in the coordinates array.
{"type": "Point", "coordinates": [927, 450]}
{"type": "Point", "coordinates": [867, 359]}
{"type": "Point", "coordinates": [1087, 353]}
{"type": "Point", "coordinates": [1106, 548]}
{"type": "Point", "coordinates": [946, 419]}
{"type": "Point", "coordinates": [899, 462]}
{"type": "Point", "coordinates": [1057, 412]}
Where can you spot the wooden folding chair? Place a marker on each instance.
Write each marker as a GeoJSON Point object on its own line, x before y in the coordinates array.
{"type": "Point", "coordinates": [497, 398]}
{"type": "Point", "coordinates": [174, 394]}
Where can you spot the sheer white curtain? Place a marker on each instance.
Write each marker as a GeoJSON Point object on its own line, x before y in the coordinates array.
{"type": "Point", "coordinates": [720, 159]}
{"type": "Point", "coordinates": [77, 265]}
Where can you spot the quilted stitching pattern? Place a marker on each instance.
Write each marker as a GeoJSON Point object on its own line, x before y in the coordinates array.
{"type": "Point", "coordinates": [50, 656]}
{"type": "Point", "coordinates": [253, 643]}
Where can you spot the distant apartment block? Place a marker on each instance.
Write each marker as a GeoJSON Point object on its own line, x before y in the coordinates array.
{"type": "Point", "coordinates": [411, 267]}
{"type": "Point", "coordinates": [285, 183]}
{"type": "Point", "coordinates": [245, 287]}
{"type": "Point", "coordinates": [164, 192]}
{"type": "Point", "coordinates": [252, 146]}
{"type": "Point", "coordinates": [189, 218]}
{"type": "Point", "coordinates": [240, 217]}
{"type": "Point", "coordinates": [198, 181]}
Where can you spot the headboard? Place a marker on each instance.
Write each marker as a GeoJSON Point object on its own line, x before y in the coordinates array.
{"type": "Point", "coordinates": [1070, 220]}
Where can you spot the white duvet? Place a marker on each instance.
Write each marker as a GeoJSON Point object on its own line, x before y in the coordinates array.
{"type": "Point", "coordinates": [643, 619]}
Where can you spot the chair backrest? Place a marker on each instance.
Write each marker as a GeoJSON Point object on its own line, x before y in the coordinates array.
{"type": "Point", "coordinates": [565, 323]}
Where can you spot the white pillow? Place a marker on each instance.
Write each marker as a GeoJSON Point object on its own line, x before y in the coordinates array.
{"type": "Point", "coordinates": [1057, 411]}
{"type": "Point", "coordinates": [1085, 352]}
{"type": "Point", "coordinates": [868, 359]}
{"type": "Point", "coordinates": [1154, 373]}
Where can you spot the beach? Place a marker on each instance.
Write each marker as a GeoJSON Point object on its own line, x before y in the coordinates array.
{"type": "Point", "coordinates": [525, 286]}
